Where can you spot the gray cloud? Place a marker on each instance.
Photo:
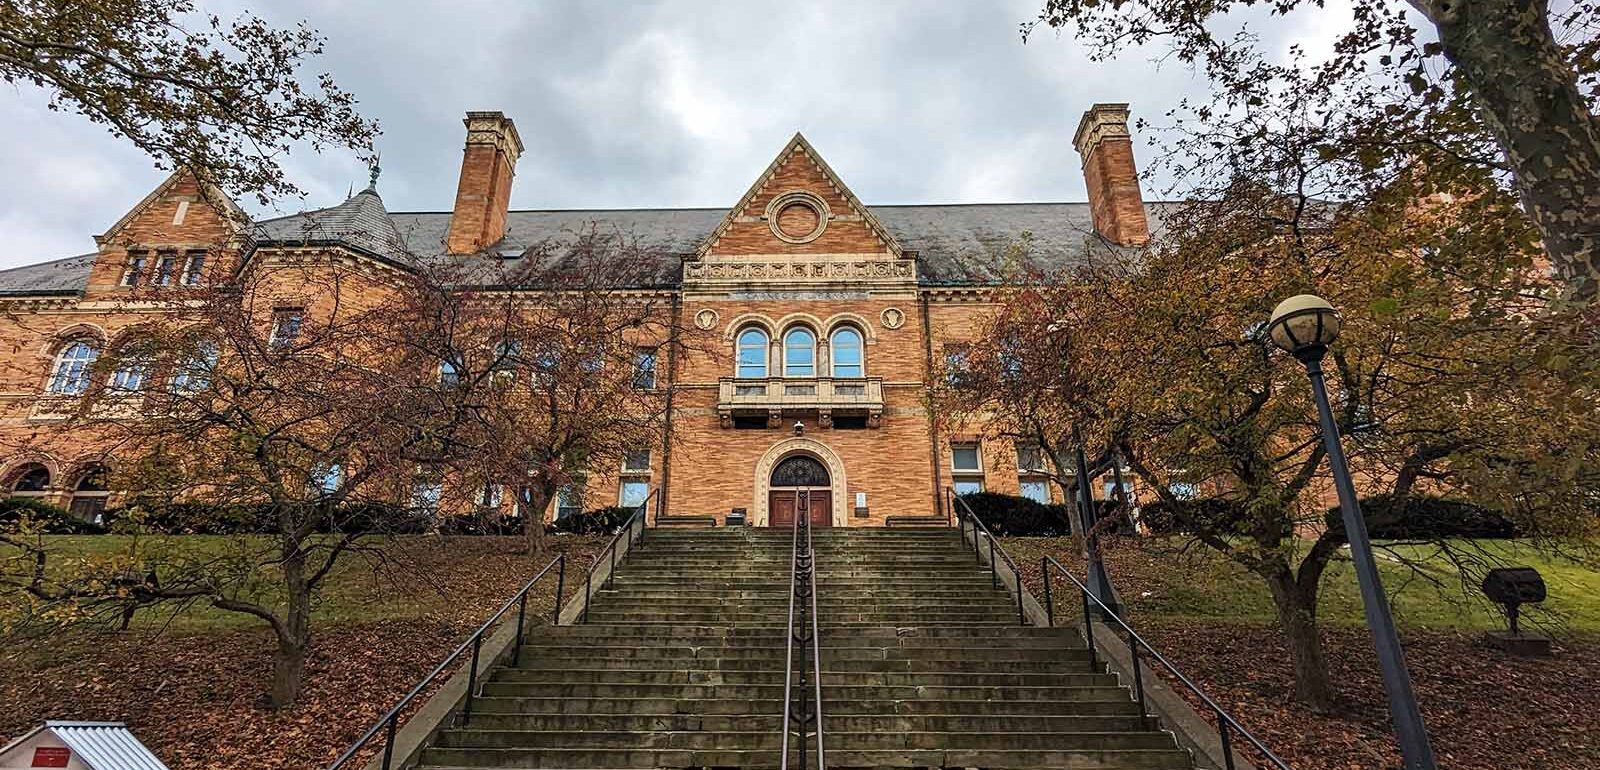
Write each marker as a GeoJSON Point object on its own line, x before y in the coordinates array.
{"type": "Point", "coordinates": [648, 104]}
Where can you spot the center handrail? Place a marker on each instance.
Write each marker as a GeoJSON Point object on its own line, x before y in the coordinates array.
{"type": "Point", "coordinates": [1225, 721]}
{"type": "Point", "coordinates": [979, 526]}
{"type": "Point", "coordinates": [610, 552]}
{"type": "Point", "coordinates": [389, 723]}
{"type": "Point", "coordinates": [802, 587]}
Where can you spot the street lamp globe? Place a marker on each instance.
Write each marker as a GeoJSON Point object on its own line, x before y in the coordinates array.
{"type": "Point", "coordinates": [1304, 325]}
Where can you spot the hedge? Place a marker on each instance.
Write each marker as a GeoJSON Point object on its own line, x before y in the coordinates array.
{"type": "Point", "coordinates": [1011, 515]}
{"type": "Point", "coordinates": [595, 522]}
{"type": "Point", "coordinates": [53, 519]}
{"type": "Point", "coordinates": [1425, 517]}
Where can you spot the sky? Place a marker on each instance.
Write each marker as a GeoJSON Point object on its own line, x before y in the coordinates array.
{"type": "Point", "coordinates": [648, 104]}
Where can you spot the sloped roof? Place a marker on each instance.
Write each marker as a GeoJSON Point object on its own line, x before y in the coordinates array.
{"type": "Point", "coordinates": [61, 276]}
{"type": "Point", "coordinates": [955, 244]}
{"type": "Point", "coordinates": [100, 745]}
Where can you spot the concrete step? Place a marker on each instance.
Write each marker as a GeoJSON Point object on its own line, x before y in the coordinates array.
{"type": "Point", "coordinates": [699, 676]}
{"type": "Point", "coordinates": [1135, 759]}
{"type": "Point", "coordinates": [476, 737]}
{"type": "Point", "coordinates": [854, 723]}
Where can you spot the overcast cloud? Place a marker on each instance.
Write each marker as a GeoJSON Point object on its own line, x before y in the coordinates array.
{"type": "Point", "coordinates": [649, 104]}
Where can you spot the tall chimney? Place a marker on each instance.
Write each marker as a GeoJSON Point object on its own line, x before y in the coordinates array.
{"type": "Point", "coordinates": [1115, 203]}
{"type": "Point", "coordinates": [484, 193]}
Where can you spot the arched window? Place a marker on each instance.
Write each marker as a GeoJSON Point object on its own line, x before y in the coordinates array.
{"type": "Point", "coordinates": [799, 353]}
{"type": "Point", "coordinates": [752, 353]}
{"type": "Point", "coordinates": [846, 351]}
{"type": "Point", "coordinates": [31, 480]}
{"type": "Point", "coordinates": [71, 375]}
{"type": "Point", "coordinates": [89, 495]}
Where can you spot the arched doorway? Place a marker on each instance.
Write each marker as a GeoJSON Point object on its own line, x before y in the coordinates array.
{"type": "Point", "coordinates": [800, 486]}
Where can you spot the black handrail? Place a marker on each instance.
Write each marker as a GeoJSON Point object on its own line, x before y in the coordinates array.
{"type": "Point", "coordinates": [802, 589]}
{"type": "Point", "coordinates": [1225, 721]}
{"type": "Point", "coordinates": [610, 552]}
{"type": "Point", "coordinates": [994, 569]}
{"type": "Point", "coordinates": [389, 723]}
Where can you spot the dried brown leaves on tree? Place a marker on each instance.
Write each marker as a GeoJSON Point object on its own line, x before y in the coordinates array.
{"type": "Point", "coordinates": [1509, 86]}
{"type": "Point", "coordinates": [316, 405]}
{"type": "Point", "coordinates": [223, 99]}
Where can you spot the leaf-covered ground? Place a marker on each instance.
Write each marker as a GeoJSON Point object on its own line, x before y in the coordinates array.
{"type": "Point", "coordinates": [196, 695]}
{"type": "Point", "coordinates": [1485, 710]}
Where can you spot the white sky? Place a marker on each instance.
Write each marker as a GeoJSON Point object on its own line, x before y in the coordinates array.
{"type": "Point", "coordinates": [651, 104]}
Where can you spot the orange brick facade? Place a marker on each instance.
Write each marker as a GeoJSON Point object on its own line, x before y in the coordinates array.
{"type": "Point", "coordinates": [797, 252]}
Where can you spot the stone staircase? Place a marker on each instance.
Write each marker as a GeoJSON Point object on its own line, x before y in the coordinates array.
{"type": "Point", "coordinates": [681, 665]}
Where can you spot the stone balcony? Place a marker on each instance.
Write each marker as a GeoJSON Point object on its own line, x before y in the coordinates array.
{"type": "Point", "coordinates": [779, 396]}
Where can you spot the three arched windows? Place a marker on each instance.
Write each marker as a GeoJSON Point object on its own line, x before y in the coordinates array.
{"type": "Point", "coordinates": [798, 355]}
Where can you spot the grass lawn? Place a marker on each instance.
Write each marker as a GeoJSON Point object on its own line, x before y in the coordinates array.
{"type": "Point", "coordinates": [409, 577]}
{"type": "Point", "coordinates": [1159, 578]}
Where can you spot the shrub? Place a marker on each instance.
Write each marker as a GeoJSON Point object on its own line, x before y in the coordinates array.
{"type": "Point", "coordinates": [1012, 515]}
{"type": "Point", "coordinates": [598, 521]}
{"type": "Point", "coordinates": [482, 521]}
{"type": "Point", "coordinates": [54, 519]}
{"type": "Point", "coordinates": [1425, 517]}
{"type": "Point", "coordinates": [1212, 513]}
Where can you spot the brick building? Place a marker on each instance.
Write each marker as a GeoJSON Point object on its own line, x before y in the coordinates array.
{"type": "Point", "coordinates": [832, 313]}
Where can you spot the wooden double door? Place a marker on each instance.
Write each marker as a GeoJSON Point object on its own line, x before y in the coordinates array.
{"type": "Point", "coordinates": [785, 504]}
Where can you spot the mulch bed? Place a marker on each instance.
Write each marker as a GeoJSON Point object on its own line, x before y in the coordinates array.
{"type": "Point", "coordinates": [198, 700]}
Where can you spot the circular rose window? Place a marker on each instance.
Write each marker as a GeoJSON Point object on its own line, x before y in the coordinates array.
{"type": "Point", "coordinates": [797, 217]}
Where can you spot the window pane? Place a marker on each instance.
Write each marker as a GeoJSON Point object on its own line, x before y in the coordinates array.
{"type": "Point", "coordinates": [846, 351]}
{"type": "Point", "coordinates": [1183, 490]}
{"type": "Point", "coordinates": [968, 486]}
{"type": "Point", "coordinates": [1029, 458]}
{"type": "Point", "coordinates": [634, 492]}
{"type": "Point", "coordinates": [964, 457]}
{"type": "Point", "coordinates": [164, 265]}
{"type": "Point", "coordinates": [569, 501]}
{"type": "Point", "coordinates": [1036, 490]}
{"type": "Point", "coordinates": [799, 354]}
{"type": "Point", "coordinates": [196, 267]}
{"type": "Point", "coordinates": [636, 460]}
{"type": "Point", "coordinates": [72, 369]}
{"type": "Point", "coordinates": [644, 370]}
{"type": "Point", "coordinates": [752, 353]}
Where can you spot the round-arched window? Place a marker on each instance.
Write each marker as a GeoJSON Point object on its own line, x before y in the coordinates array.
{"type": "Point", "coordinates": [800, 471]}
{"type": "Point", "coordinates": [752, 353]}
{"type": "Point", "coordinates": [846, 352]}
{"type": "Point", "coordinates": [31, 479]}
{"type": "Point", "coordinates": [799, 353]}
{"type": "Point", "coordinates": [71, 375]}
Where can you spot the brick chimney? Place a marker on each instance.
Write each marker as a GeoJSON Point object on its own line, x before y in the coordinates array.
{"type": "Point", "coordinates": [1106, 147]}
{"type": "Point", "coordinates": [484, 193]}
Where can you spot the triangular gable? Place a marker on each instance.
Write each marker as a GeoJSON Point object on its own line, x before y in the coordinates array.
{"type": "Point", "coordinates": [229, 211]}
{"type": "Point", "coordinates": [799, 150]}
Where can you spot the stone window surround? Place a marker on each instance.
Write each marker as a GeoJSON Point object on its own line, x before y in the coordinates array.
{"type": "Point", "coordinates": [823, 357]}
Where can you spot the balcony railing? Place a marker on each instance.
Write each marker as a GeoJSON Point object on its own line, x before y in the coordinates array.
{"type": "Point", "coordinates": [775, 396]}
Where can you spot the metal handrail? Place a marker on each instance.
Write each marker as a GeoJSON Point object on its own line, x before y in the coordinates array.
{"type": "Point", "coordinates": [389, 723]}
{"type": "Point", "coordinates": [979, 526]}
{"type": "Point", "coordinates": [802, 586]}
{"type": "Point", "coordinates": [611, 552]}
{"type": "Point", "coordinates": [1225, 721]}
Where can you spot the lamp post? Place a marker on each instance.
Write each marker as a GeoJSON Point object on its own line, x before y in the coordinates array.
{"type": "Point", "coordinates": [1305, 325]}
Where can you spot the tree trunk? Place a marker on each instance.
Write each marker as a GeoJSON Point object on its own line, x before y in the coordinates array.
{"type": "Point", "coordinates": [294, 635]}
{"type": "Point", "coordinates": [535, 497]}
{"type": "Point", "coordinates": [1297, 615]}
{"type": "Point", "coordinates": [1528, 95]}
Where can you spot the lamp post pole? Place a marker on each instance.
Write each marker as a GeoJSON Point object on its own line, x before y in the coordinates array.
{"type": "Point", "coordinates": [1305, 326]}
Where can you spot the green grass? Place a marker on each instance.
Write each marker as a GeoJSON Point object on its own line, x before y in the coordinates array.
{"type": "Point", "coordinates": [417, 576]}
{"type": "Point", "coordinates": [1158, 578]}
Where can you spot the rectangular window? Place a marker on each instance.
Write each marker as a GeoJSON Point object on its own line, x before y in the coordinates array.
{"type": "Point", "coordinates": [425, 496]}
{"type": "Point", "coordinates": [1030, 459]}
{"type": "Point", "coordinates": [1183, 490]}
{"type": "Point", "coordinates": [1110, 489]}
{"type": "Point", "coordinates": [569, 501]}
{"type": "Point", "coordinates": [964, 458]}
{"type": "Point", "coordinates": [136, 265]}
{"type": "Point", "coordinates": [633, 492]}
{"type": "Point", "coordinates": [1037, 490]}
{"type": "Point", "coordinates": [195, 268]}
{"type": "Point", "coordinates": [636, 461]}
{"type": "Point", "coordinates": [165, 264]}
{"type": "Point", "coordinates": [849, 422]}
{"type": "Point", "coordinates": [968, 486]}
{"type": "Point", "coordinates": [749, 422]}
{"type": "Point", "coordinates": [285, 327]}
{"type": "Point", "coordinates": [644, 369]}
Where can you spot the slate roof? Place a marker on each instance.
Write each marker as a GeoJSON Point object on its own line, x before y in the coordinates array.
{"type": "Point", "coordinates": [955, 244]}
{"type": "Point", "coordinates": [98, 745]}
